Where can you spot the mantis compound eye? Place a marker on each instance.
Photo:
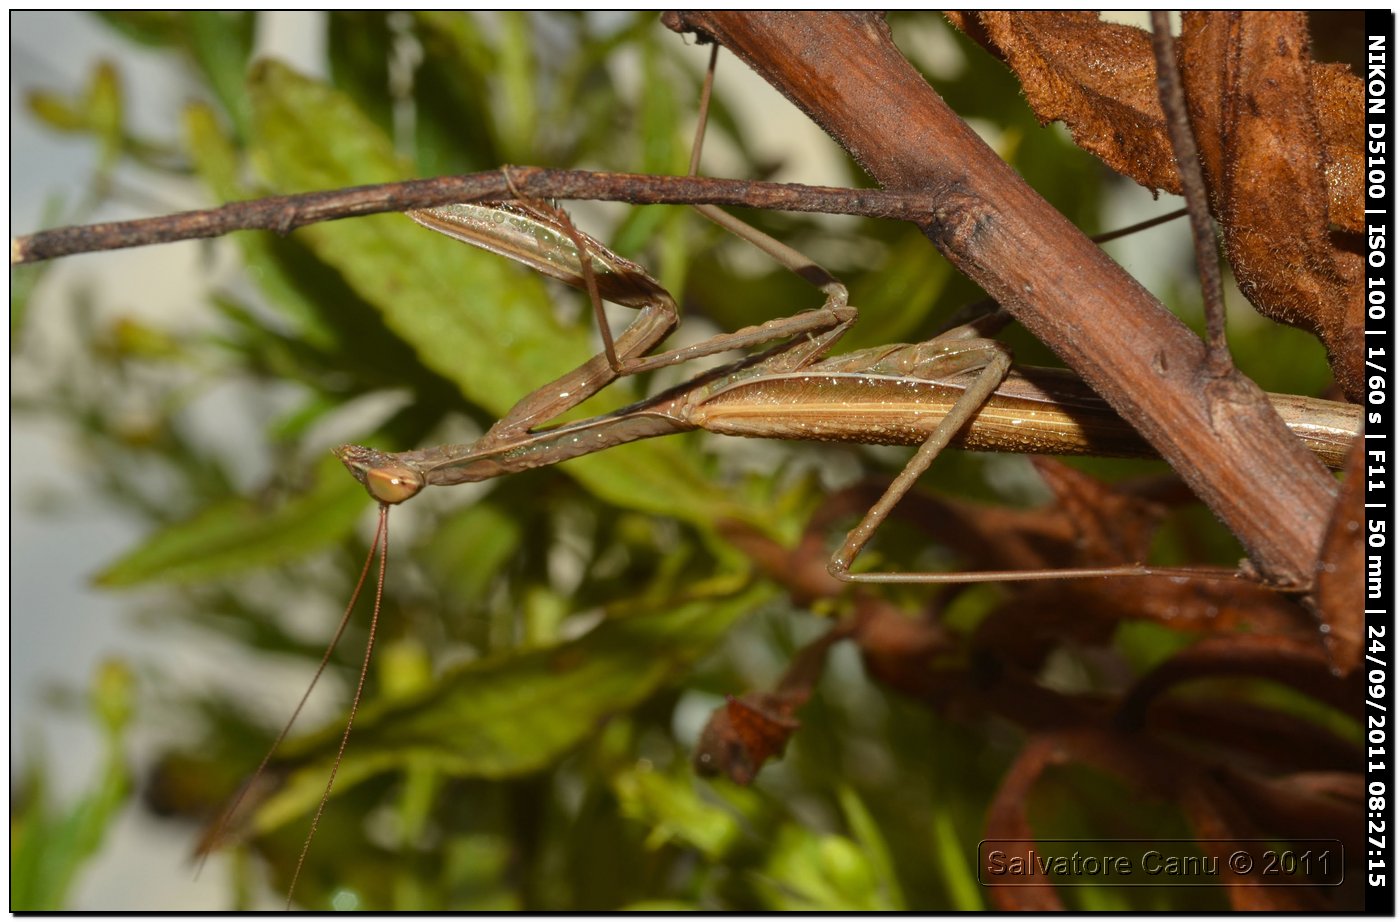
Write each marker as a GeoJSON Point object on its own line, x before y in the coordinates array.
{"type": "Point", "coordinates": [384, 476]}
{"type": "Point", "coordinates": [393, 484]}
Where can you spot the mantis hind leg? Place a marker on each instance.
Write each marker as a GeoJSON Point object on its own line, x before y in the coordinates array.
{"type": "Point", "coordinates": [941, 356]}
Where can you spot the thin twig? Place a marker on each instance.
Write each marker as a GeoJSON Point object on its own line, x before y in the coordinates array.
{"type": "Point", "coordinates": [706, 88]}
{"type": "Point", "coordinates": [1106, 236]}
{"type": "Point", "coordinates": [1193, 187]}
{"type": "Point", "coordinates": [285, 213]}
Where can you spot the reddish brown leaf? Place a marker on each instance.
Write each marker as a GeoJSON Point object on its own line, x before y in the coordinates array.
{"type": "Point", "coordinates": [900, 651]}
{"type": "Point", "coordinates": [1341, 110]}
{"type": "Point", "coordinates": [1039, 618]}
{"type": "Point", "coordinates": [1279, 136]}
{"type": "Point", "coordinates": [802, 571]}
{"type": "Point", "coordinates": [1110, 527]}
{"type": "Point", "coordinates": [1007, 819]}
{"type": "Point", "coordinates": [744, 734]}
{"type": "Point", "coordinates": [1298, 807]}
{"type": "Point", "coordinates": [1223, 829]}
{"type": "Point", "coordinates": [1100, 79]}
{"type": "Point", "coordinates": [1341, 569]}
{"type": "Point", "coordinates": [750, 730]}
{"type": "Point", "coordinates": [1249, 83]}
{"type": "Point", "coordinates": [1250, 732]}
{"type": "Point", "coordinates": [1297, 663]}
{"type": "Point", "coordinates": [1088, 524]}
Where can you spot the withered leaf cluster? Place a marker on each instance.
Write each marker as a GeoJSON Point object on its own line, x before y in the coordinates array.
{"type": "Point", "coordinates": [1279, 136]}
{"type": "Point", "coordinates": [1235, 768]}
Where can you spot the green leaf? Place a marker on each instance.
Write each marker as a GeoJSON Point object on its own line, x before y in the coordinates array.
{"type": "Point", "coordinates": [508, 342]}
{"type": "Point", "coordinates": [360, 46]}
{"type": "Point", "coordinates": [873, 846]}
{"type": "Point", "coordinates": [822, 873]}
{"type": "Point", "coordinates": [469, 548]}
{"type": "Point", "coordinates": [662, 906]}
{"type": "Point", "coordinates": [965, 894]}
{"type": "Point", "coordinates": [23, 281]}
{"type": "Point", "coordinates": [517, 75]}
{"type": "Point", "coordinates": [104, 111]}
{"type": "Point", "coordinates": [221, 42]}
{"type": "Point", "coordinates": [456, 128]}
{"type": "Point", "coordinates": [217, 161]}
{"type": "Point", "coordinates": [153, 28]}
{"type": "Point", "coordinates": [49, 847]}
{"type": "Point", "coordinates": [671, 807]}
{"type": "Point", "coordinates": [511, 715]}
{"type": "Point", "coordinates": [55, 111]}
{"type": "Point", "coordinates": [239, 535]}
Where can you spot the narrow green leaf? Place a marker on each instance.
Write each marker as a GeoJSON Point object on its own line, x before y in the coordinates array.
{"type": "Point", "coordinates": [50, 846]}
{"type": "Point", "coordinates": [669, 805]}
{"type": "Point", "coordinates": [55, 110]}
{"type": "Point", "coordinates": [822, 873]}
{"type": "Point", "coordinates": [517, 75]}
{"type": "Point", "coordinates": [221, 42]}
{"type": "Point", "coordinates": [238, 535]}
{"type": "Point", "coordinates": [953, 864]}
{"type": "Point", "coordinates": [218, 164]}
{"type": "Point", "coordinates": [511, 715]}
{"type": "Point", "coordinates": [873, 846]}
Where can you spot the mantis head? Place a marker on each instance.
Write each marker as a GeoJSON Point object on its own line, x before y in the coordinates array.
{"type": "Point", "coordinates": [387, 479]}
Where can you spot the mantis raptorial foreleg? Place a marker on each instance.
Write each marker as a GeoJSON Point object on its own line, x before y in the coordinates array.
{"type": "Point", "coordinates": [539, 237]}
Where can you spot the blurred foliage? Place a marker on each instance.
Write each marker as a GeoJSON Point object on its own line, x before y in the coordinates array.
{"type": "Point", "coordinates": [49, 845]}
{"type": "Point", "coordinates": [558, 634]}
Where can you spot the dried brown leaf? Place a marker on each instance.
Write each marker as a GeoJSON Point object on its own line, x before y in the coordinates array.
{"type": "Point", "coordinates": [1222, 830]}
{"type": "Point", "coordinates": [1249, 83]}
{"type": "Point", "coordinates": [748, 731]}
{"type": "Point", "coordinates": [1110, 527]}
{"type": "Point", "coordinates": [1039, 618]}
{"type": "Point", "coordinates": [1337, 93]}
{"type": "Point", "coordinates": [1279, 136]}
{"type": "Point", "coordinates": [1341, 569]}
{"type": "Point", "coordinates": [1300, 664]}
{"type": "Point", "coordinates": [1246, 732]}
{"type": "Point", "coordinates": [1098, 78]}
{"type": "Point", "coordinates": [1088, 524]}
{"type": "Point", "coordinates": [1007, 819]}
{"type": "Point", "coordinates": [900, 651]}
{"type": "Point", "coordinates": [1297, 807]}
{"type": "Point", "coordinates": [743, 734]}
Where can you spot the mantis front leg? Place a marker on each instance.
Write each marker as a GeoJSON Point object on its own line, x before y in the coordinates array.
{"type": "Point", "coordinates": [539, 236]}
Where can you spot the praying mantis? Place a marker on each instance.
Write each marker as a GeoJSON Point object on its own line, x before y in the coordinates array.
{"type": "Point", "coordinates": [928, 394]}
{"type": "Point", "coordinates": [706, 392]}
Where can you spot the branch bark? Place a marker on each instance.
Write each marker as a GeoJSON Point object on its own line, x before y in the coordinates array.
{"type": "Point", "coordinates": [845, 72]}
{"type": "Point", "coordinates": [285, 213]}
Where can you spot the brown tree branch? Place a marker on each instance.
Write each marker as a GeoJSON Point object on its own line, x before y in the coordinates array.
{"type": "Point", "coordinates": [285, 213]}
{"type": "Point", "coordinates": [847, 75]}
